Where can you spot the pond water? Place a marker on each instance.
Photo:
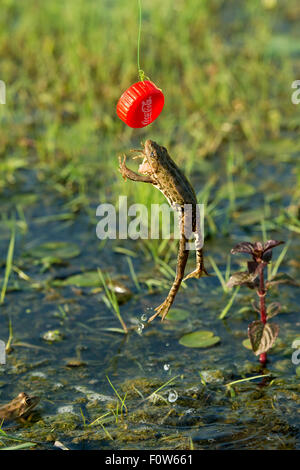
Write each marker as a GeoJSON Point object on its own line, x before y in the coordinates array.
{"type": "Point", "coordinates": [175, 397]}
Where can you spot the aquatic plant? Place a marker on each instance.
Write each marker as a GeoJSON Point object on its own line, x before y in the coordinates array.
{"type": "Point", "coordinates": [262, 333]}
{"type": "Point", "coordinates": [8, 265]}
{"type": "Point", "coordinates": [111, 300]}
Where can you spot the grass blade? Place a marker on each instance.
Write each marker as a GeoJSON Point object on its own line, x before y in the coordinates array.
{"type": "Point", "coordinates": [8, 268]}
{"type": "Point", "coordinates": [133, 274]}
{"type": "Point", "coordinates": [246, 380]}
{"type": "Point", "coordinates": [111, 300]}
{"type": "Point", "coordinates": [280, 259]}
{"type": "Point", "coordinates": [229, 304]}
{"type": "Point", "coordinates": [219, 274]}
{"type": "Point", "coordinates": [20, 446]}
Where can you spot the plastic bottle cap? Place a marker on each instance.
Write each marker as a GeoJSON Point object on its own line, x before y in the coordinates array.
{"type": "Point", "coordinates": [140, 104]}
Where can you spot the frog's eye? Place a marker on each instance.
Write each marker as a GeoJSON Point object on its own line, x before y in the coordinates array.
{"type": "Point", "coordinates": [27, 400]}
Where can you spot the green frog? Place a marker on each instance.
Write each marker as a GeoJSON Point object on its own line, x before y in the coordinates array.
{"type": "Point", "coordinates": [19, 408]}
{"type": "Point", "coordinates": [158, 169]}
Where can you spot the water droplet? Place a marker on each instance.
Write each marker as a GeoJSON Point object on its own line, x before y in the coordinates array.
{"type": "Point", "coordinates": [173, 395]}
{"type": "Point", "coordinates": [140, 328]}
{"type": "Point", "coordinates": [166, 367]}
{"type": "Point", "coordinates": [144, 317]}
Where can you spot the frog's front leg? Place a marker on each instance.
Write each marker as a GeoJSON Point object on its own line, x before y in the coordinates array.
{"type": "Point", "coordinates": [183, 254]}
{"type": "Point", "coordinates": [127, 173]}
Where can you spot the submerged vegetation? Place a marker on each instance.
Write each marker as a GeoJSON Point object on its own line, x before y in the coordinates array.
{"type": "Point", "coordinates": [226, 71]}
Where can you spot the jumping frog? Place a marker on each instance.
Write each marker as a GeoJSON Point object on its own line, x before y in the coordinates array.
{"type": "Point", "coordinates": [19, 407]}
{"type": "Point", "coordinates": [159, 169]}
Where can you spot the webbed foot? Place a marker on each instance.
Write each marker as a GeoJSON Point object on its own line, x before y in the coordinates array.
{"type": "Point", "coordinates": [162, 310]}
{"type": "Point", "coordinates": [197, 273]}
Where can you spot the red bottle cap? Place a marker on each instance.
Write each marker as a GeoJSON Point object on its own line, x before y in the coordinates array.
{"type": "Point", "coordinates": [140, 104]}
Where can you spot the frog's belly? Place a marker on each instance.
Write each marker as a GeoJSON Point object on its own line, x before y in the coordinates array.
{"type": "Point", "coordinates": [175, 201]}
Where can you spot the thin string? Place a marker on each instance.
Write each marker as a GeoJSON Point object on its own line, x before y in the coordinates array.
{"type": "Point", "coordinates": [141, 73]}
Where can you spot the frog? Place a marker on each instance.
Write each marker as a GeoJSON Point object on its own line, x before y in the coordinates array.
{"type": "Point", "coordinates": [18, 408]}
{"type": "Point", "coordinates": [160, 170]}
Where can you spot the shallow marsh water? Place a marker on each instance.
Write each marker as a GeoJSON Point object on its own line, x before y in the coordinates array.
{"type": "Point", "coordinates": [59, 161]}
{"type": "Point", "coordinates": [262, 414]}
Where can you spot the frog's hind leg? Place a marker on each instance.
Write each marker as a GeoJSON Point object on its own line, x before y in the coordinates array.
{"type": "Point", "coordinates": [200, 269]}
{"type": "Point", "coordinates": [183, 254]}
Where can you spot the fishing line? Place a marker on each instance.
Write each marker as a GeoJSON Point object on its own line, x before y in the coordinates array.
{"type": "Point", "coordinates": [141, 73]}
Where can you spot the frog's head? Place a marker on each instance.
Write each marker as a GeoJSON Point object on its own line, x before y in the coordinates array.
{"type": "Point", "coordinates": [25, 404]}
{"type": "Point", "coordinates": [154, 155]}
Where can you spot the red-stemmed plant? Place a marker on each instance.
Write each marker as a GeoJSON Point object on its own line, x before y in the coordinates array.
{"type": "Point", "coordinates": [262, 333]}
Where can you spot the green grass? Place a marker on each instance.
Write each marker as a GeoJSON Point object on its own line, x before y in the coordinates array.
{"type": "Point", "coordinates": [8, 266]}
{"type": "Point", "coordinates": [232, 391]}
{"type": "Point", "coordinates": [24, 444]}
{"type": "Point", "coordinates": [110, 299]}
{"type": "Point", "coordinates": [70, 61]}
{"type": "Point", "coordinates": [226, 76]}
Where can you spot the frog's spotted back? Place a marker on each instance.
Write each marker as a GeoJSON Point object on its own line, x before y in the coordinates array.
{"type": "Point", "coordinates": [168, 177]}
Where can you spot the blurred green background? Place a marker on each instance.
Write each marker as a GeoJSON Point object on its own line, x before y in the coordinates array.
{"type": "Point", "coordinates": [225, 68]}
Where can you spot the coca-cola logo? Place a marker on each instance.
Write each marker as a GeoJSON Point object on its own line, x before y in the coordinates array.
{"type": "Point", "coordinates": [147, 110]}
